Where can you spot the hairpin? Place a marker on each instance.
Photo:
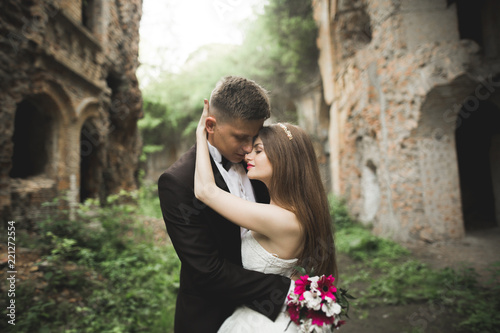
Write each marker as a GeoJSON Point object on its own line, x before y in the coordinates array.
{"type": "Point", "coordinates": [287, 131]}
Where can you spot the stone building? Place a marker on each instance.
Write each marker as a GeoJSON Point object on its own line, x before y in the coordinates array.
{"type": "Point", "coordinates": [413, 89]}
{"type": "Point", "coordinates": [69, 102]}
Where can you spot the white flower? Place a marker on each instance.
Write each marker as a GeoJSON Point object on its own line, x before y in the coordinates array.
{"type": "Point", "coordinates": [336, 308]}
{"type": "Point", "coordinates": [314, 282]}
{"type": "Point", "coordinates": [313, 299]}
{"type": "Point", "coordinates": [293, 298]}
{"type": "Point", "coordinates": [331, 308]}
{"type": "Point", "coordinates": [306, 326]}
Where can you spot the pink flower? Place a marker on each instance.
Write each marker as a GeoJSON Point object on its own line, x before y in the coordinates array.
{"type": "Point", "coordinates": [294, 312]}
{"type": "Point", "coordinates": [301, 286]}
{"type": "Point", "coordinates": [319, 318]}
{"type": "Point", "coordinates": [326, 287]}
{"type": "Point", "coordinates": [339, 323]}
{"type": "Point", "coordinates": [312, 304]}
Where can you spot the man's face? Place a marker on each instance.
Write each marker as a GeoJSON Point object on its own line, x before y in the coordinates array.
{"type": "Point", "coordinates": [234, 138]}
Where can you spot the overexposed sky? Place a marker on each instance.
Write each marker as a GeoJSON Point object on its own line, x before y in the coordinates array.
{"type": "Point", "coordinates": [171, 29]}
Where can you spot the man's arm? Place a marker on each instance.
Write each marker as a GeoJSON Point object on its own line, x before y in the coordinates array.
{"type": "Point", "coordinates": [195, 245]}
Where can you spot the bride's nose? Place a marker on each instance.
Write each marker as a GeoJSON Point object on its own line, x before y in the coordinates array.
{"type": "Point", "coordinates": [249, 157]}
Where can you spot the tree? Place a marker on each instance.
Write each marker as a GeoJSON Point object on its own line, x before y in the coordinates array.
{"type": "Point", "coordinates": [279, 52]}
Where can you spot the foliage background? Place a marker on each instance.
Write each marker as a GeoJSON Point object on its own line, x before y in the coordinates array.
{"type": "Point", "coordinates": [279, 52]}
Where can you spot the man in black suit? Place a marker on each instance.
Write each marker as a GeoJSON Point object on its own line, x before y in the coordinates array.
{"type": "Point", "coordinates": [213, 282]}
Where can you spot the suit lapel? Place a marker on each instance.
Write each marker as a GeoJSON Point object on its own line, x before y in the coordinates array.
{"type": "Point", "coordinates": [219, 181]}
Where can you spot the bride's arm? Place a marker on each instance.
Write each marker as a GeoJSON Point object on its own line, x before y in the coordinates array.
{"type": "Point", "coordinates": [204, 182]}
{"type": "Point", "coordinates": [269, 220]}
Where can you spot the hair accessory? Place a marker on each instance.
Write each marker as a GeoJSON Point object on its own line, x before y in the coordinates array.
{"type": "Point", "coordinates": [287, 131]}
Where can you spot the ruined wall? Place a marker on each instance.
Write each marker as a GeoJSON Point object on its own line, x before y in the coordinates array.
{"type": "Point", "coordinates": [313, 116]}
{"type": "Point", "coordinates": [400, 77]}
{"type": "Point", "coordinates": [69, 101]}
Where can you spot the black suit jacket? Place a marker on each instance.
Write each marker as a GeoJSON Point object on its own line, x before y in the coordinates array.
{"type": "Point", "coordinates": [212, 281]}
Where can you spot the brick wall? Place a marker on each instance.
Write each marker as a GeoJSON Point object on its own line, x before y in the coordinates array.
{"type": "Point", "coordinates": [71, 77]}
{"type": "Point", "coordinates": [73, 8]}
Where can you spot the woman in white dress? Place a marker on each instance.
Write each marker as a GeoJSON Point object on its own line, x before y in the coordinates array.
{"type": "Point", "coordinates": [293, 230]}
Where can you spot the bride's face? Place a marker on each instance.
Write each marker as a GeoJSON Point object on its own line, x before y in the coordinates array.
{"type": "Point", "coordinates": [258, 164]}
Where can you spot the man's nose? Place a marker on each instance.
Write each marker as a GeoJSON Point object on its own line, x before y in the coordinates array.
{"type": "Point", "coordinates": [247, 147]}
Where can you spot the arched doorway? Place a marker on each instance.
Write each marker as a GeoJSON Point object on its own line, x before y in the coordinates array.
{"type": "Point", "coordinates": [88, 14]}
{"type": "Point", "coordinates": [90, 160]}
{"type": "Point", "coordinates": [477, 144]}
{"type": "Point", "coordinates": [33, 140]}
{"type": "Point", "coordinates": [35, 164]}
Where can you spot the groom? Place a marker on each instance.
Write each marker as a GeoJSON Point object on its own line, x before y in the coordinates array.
{"type": "Point", "coordinates": [212, 280]}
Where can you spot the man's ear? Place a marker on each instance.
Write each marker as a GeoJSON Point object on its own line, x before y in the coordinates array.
{"type": "Point", "coordinates": [210, 124]}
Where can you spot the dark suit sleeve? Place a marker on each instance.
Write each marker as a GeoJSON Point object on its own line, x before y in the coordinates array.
{"type": "Point", "coordinates": [195, 245]}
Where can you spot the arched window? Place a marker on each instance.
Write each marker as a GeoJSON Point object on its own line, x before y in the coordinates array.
{"type": "Point", "coordinates": [90, 164]}
{"type": "Point", "coordinates": [32, 140]}
{"type": "Point", "coordinates": [88, 14]}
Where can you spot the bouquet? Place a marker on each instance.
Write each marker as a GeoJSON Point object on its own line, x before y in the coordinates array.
{"type": "Point", "coordinates": [316, 305]}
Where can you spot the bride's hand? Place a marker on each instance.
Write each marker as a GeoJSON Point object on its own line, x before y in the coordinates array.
{"type": "Point", "coordinates": [201, 131]}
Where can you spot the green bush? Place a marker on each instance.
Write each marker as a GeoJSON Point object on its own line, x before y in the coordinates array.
{"type": "Point", "coordinates": [339, 212]}
{"type": "Point", "coordinates": [149, 201]}
{"type": "Point", "coordinates": [480, 307]}
{"type": "Point", "coordinates": [413, 282]}
{"type": "Point", "coordinates": [356, 240]}
{"type": "Point", "coordinates": [107, 261]}
{"type": "Point", "coordinates": [360, 244]}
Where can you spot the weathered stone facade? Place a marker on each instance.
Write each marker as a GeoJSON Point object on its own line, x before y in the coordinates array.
{"type": "Point", "coordinates": [69, 101]}
{"type": "Point", "coordinates": [413, 89]}
{"type": "Point", "coordinates": [313, 116]}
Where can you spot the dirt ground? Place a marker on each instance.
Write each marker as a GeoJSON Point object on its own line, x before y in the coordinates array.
{"type": "Point", "coordinates": [479, 249]}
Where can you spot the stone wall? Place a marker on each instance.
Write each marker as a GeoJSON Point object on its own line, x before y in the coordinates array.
{"type": "Point", "coordinates": [69, 102]}
{"type": "Point", "coordinates": [401, 78]}
{"type": "Point", "coordinates": [313, 116]}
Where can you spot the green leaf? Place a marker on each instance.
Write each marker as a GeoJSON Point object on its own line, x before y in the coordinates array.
{"type": "Point", "coordinates": [300, 270]}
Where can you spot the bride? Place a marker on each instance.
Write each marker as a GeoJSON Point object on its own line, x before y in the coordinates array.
{"type": "Point", "coordinates": [293, 230]}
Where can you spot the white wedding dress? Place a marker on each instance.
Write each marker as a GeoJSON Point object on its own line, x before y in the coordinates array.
{"type": "Point", "coordinates": [244, 319]}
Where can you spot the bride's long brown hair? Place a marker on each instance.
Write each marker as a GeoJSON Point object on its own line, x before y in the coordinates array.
{"type": "Point", "coordinates": [296, 185]}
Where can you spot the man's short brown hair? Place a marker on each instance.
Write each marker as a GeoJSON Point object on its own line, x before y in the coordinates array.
{"type": "Point", "coordinates": [238, 98]}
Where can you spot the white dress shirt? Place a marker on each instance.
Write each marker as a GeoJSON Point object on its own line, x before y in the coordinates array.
{"type": "Point", "coordinates": [235, 178]}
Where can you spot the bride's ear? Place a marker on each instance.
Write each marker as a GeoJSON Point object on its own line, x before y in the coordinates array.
{"type": "Point", "coordinates": [210, 124]}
